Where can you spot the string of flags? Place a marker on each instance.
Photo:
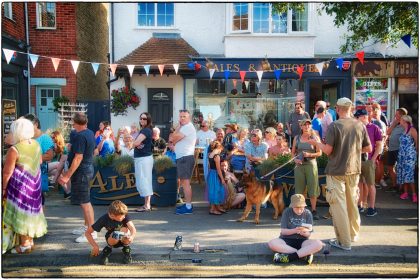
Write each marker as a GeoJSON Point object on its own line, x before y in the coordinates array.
{"type": "Point", "coordinates": [193, 65]}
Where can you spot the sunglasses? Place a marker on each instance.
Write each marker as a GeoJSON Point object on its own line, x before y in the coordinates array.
{"type": "Point", "coordinates": [266, 131]}
{"type": "Point", "coordinates": [253, 135]}
{"type": "Point", "coordinates": [143, 119]}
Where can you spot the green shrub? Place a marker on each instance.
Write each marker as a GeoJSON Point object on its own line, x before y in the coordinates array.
{"type": "Point", "coordinates": [105, 161]}
{"type": "Point", "coordinates": [162, 163]}
{"type": "Point", "coordinates": [322, 161]}
{"type": "Point", "coordinates": [282, 159]}
{"type": "Point", "coordinates": [123, 164]}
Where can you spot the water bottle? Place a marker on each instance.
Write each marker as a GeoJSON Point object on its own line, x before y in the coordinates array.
{"type": "Point", "coordinates": [178, 243]}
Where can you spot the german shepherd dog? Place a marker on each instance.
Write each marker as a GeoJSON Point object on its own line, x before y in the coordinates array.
{"type": "Point", "coordinates": [257, 193]}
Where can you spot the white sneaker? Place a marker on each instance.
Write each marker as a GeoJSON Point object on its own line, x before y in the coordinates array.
{"type": "Point", "coordinates": [383, 183]}
{"type": "Point", "coordinates": [82, 238]}
{"type": "Point", "coordinates": [80, 230]}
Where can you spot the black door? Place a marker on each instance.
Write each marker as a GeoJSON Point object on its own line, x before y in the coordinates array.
{"type": "Point", "coordinates": [160, 107]}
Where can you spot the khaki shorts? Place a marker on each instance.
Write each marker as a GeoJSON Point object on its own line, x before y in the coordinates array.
{"type": "Point", "coordinates": [368, 172]}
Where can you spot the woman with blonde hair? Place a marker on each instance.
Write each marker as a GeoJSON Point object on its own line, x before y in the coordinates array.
{"type": "Point", "coordinates": [22, 188]}
{"type": "Point", "coordinates": [59, 160]}
{"type": "Point", "coordinates": [238, 158]}
{"type": "Point", "coordinates": [306, 172]}
{"type": "Point", "coordinates": [407, 157]}
{"type": "Point", "coordinates": [270, 136]}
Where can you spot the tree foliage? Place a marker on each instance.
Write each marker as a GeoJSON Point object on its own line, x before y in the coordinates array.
{"type": "Point", "coordinates": [384, 22]}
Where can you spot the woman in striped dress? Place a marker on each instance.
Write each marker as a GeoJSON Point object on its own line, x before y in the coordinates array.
{"type": "Point", "coordinates": [22, 187]}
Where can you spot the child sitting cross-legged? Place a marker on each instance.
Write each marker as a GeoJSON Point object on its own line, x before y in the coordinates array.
{"type": "Point", "coordinates": [296, 227]}
{"type": "Point", "coordinates": [120, 232]}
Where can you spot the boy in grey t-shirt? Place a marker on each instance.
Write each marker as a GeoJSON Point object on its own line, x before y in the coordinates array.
{"type": "Point", "coordinates": [296, 228]}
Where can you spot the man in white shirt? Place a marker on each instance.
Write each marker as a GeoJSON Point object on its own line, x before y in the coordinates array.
{"type": "Point", "coordinates": [184, 138]}
{"type": "Point", "coordinates": [205, 133]}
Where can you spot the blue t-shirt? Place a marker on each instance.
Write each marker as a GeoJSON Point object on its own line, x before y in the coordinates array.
{"type": "Point", "coordinates": [316, 125]}
{"type": "Point", "coordinates": [171, 155]}
{"type": "Point", "coordinates": [46, 143]}
{"type": "Point", "coordinates": [145, 148]}
{"type": "Point", "coordinates": [108, 147]}
{"type": "Point", "coordinates": [82, 142]}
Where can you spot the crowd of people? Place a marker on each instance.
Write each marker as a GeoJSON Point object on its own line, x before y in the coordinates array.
{"type": "Point", "coordinates": [355, 145]}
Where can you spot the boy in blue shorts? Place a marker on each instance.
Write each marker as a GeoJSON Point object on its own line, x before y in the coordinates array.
{"type": "Point", "coordinates": [120, 232]}
{"type": "Point", "coordinates": [296, 227]}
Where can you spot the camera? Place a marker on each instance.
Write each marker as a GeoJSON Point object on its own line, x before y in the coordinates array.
{"type": "Point", "coordinates": [118, 235]}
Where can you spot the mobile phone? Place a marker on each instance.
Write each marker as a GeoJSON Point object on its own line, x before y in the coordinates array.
{"type": "Point", "coordinates": [305, 225]}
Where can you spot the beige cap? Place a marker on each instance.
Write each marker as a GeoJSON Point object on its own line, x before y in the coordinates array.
{"type": "Point", "coordinates": [297, 200]}
{"type": "Point", "coordinates": [344, 101]}
{"type": "Point", "coordinates": [304, 121]}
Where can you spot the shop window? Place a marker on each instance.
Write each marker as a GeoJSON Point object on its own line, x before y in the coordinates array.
{"type": "Point", "coordinates": [155, 14]}
{"type": "Point", "coordinates": [205, 86]}
{"type": "Point", "coordinates": [46, 15]}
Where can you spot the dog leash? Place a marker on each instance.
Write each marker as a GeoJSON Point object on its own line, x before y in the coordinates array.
{"type": "Point", "coordinates": [281, 166]}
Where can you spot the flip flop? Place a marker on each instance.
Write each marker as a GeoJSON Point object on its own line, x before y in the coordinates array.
{"type": "Point", "coordinates": [217, 214]}
{"type": "Point", "coordinates": [21, 250]}
{"type": "Point", "coordinates": [143, 209]}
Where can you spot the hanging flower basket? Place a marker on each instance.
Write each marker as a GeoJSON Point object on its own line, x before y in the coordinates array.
{"type": "Point", "coordinates": [123, 98]}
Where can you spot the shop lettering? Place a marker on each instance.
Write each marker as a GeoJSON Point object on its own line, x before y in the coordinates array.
{"type": "Point", "coordinates": [290, 68]}
{"type": "Point", "coordinates": [406, 69]}
{"type": "Point", "coordinates": [98, 182]}
{"type": "Point", "coordinates": [370, 84]}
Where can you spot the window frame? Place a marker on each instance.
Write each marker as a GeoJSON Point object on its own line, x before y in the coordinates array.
{"type": "Point", "coordinates": [38, 4]}
{"type": "Point", "coordinates": [8, 13]}
{"type": "Point", "coordinates": [155, 16]}
{"type": "Point", "coordinates": [289, 21]}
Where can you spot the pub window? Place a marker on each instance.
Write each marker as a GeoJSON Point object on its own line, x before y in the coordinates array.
{"type": "Point", "coordinates": [8, 12]}
{"type": "Point", "coordinates": [46, 15]}
{"type": "Point", "coordinates": [205, 86]}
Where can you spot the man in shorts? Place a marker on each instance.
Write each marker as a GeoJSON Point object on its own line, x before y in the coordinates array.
{"type": "Point", "coordinates": [80, 160]}
{"type": "Point", "coordinates": [184, 138]}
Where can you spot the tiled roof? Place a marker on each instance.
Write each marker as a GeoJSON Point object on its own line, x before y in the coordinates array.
{"type": "Point", "coordinates": [161, 51]}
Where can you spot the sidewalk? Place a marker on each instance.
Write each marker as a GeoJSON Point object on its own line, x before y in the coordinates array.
{"type": "Point", "coordinates": [389, 237]}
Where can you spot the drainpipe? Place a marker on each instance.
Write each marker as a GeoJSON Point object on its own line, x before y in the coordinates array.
{"type": "Point", "coordinates": [28, 59]}
{"type": "Point", "coordinates": [112, 33]}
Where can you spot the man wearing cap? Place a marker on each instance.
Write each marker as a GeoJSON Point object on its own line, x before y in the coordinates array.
{"type": "Point", "coordinates": [296, 227]}
{"type": "Point", "coordinates": [367, 177]}
{"type": "Point", "coordinates": [345, 140]}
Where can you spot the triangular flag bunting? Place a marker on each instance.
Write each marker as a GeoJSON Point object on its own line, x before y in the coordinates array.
{"type": "Point", "coordinates": [131, 69]}
{"type": "Point", "coordinates": [113, 68]}
{"type": "Point", "coordinates": [56, 62]}
{"type": "Point", "coordinates": [242, 74]}
{"type": "Point", "coordinates": [147, 69]}
{"type": "Point", "coordinates": [407, 40]}
{"type": "Point", "coordinates": [197, 67]}
{"type": "Point", "coordinates": [34, 59]}
{"type": "Point", "coordinates": [259, 74]}
{"type": "Point", "coordinates": [320, 67]}
{"type": "Point", "coordinates": [75, 64]}
{"type": "Point", "coordinates": [227, 74]}
{"type": "Point", "coordinates": [234, 83]}
{"type": "Point", "coordinates": [299, 70]}
{"type": "Point", "coordinates": [8, 54]}
{"type": "Point", "coordinates": [191, 65]}
{"type": "Point", "coordinates": [211, 71]}
{"type": "Point", "coordinates": [161, 67]}
{"type": "Point", "coordinates": [361, 56]}
{"type": "Point", "coordinates": [95, 67]}
{"type": "Point", "coordinates": [247, 84]}
{"type": "Point", "coordinates": [176, 67]}
{"type": "Point", "coordinates": [277, 73]}
{"type": "Point", "coordinates": [339, 62]}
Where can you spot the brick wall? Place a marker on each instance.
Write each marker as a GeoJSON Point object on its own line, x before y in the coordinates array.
{"type": "Point", "coordinates": [14, 28]}
{"type": "Point", "coordinates": [92, 45]}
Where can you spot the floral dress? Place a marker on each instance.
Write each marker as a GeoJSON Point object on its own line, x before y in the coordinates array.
{"type": "Point", "coordinates": [407, 156]}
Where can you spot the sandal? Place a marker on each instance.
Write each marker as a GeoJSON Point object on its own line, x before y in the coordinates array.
{"type": "Point", "coordinates": [21, 250]}
{"type": "Point", "coordinates": [143, 209]}
{"type": "Point", "coordinates": [215, 213]}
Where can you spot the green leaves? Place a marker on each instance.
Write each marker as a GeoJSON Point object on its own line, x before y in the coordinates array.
{"type": "Point", "coordinates": [123, 98]}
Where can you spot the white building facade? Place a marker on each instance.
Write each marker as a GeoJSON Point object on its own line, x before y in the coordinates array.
{"type": "Point", "coordinates": [234, 37]}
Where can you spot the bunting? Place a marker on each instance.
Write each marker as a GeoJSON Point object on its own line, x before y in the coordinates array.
{"type": "Point", "coordinates": [361, 56]}
{"type": "Point", "coordinates": [8, 54]}
{"type": "Point", "coordinates": [277, 73]}
{"type": "Point", "coordinates": [56, 62]}
{"type": "Point", "coordinates": [320, 67]}
{"type": "Point", "coordinates": [211, 71]}
{"type": "Point", "coordinates": [95, 67]}
{"type": "Point", "coordinates": [407, 40]}
{"type": "Point", "coordinates": [242, 74]}
{"type": "Point", "coordinates": [161, 67]}
{"type": "Point", "coordinates": [34, 59]}
{"type": "Point", "coordinates": [176, 67]}
{"type": "Point", "coordinates": [131, 69]}
{"type": "Point", "coordinates": [299, 70]}
{"type": "Point", "coordinates": [75, 65]}
{"type": "Point", "coordinates": [146, 69]}
{"type": "Point", "coordinates": [113, 68]}
{"type": "Point", "coordinates": [339, 62]}
{"type": "Point", "coordinates": [259, 74]}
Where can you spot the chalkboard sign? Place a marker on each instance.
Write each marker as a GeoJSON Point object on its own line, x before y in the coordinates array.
{"type": "Point", "coordinates": [9, 114]}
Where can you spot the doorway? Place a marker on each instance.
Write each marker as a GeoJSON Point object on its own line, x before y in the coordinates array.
{"type": "Point", "coordinates": [326, 90]}
{"type": "Point", "coordinates": [45, 108]}
{"type": "Point", "coordinates": [160, 107]}
{"type": "Point", "coordinates": [411, 103]}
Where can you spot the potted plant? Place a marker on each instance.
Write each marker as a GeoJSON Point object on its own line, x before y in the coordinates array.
{"type": "Point", "coordinates": [165, 183]}
{"type": "Point", "coordinates": [123, 98]}
{"type": "Point", "coordinates": [123, 164]}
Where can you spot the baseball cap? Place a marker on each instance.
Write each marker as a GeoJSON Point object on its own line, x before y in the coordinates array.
{"type": "Point", "coordinates": [304, 121]}
{"type": "Point", "coordinates": [360, 112]}
{"type": "Point", "coordinates": [344, 101]}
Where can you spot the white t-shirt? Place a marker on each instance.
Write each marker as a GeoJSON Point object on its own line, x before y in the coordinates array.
{"type": "Point", "coordinates": [126, 152]}
{"type": "Point", "coordinates": [186, 146]}
{"type": "Point", "coordinates": [203, 135]}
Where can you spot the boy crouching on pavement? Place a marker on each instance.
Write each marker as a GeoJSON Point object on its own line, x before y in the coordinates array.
{"type": "Point", "coordinates": [120, 232]}
{"type": "Point", "coordinates": [296, 227]}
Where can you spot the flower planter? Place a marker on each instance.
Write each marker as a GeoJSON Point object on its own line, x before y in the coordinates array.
{"type": "Point", "coordinates": [107, 185]}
